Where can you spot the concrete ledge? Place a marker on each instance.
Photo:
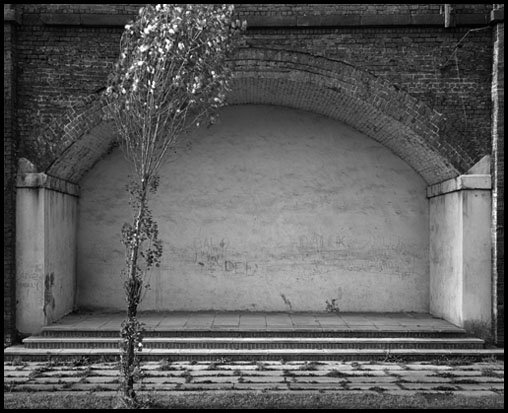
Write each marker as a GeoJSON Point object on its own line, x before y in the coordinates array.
{"type": "Point", "coordinates": [497, 16]}
{"type": "Point", "coordinates": [11, 16]}
{"type": "Point", "coordinates": [41, 180]}
{"type": "Point", "coordinates": [462, 182]}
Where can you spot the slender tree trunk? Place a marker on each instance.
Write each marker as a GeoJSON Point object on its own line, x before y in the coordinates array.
{"type": "Point", "coordinates": [133, 293]}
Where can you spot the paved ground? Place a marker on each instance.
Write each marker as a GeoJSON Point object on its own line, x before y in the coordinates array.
{"type": "Point", "coordinates": [261, 321]}
{"type": "Point", "coordinates": [458, 376]}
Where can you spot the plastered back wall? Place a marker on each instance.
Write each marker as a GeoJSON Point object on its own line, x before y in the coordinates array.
{"type": "Point", "coordinates": [272, 209]}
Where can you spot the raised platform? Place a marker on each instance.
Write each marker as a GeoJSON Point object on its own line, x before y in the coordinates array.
{"type": "Point", "coordinates": [259, 323]}
{"type": "Point", "coordinates": [258, 336]}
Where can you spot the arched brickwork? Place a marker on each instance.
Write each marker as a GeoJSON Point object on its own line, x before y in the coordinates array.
{"type": "Point", "coordinates": [412, 130]}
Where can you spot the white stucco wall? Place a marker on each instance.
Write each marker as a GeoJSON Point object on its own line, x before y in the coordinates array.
{"type": "Point", "coordinates": [272, 209]}
{"type": "Point", "coordinates": [477, 265]}
{"type": "Point", "coordinates": [29, 260]}
{"type": "Point", "coordinates": [60, 276]}
{"type": "Point", "coordinates": [46, 223]}
{"type": "Point", "coordinates": [460, 252]}
{"type": "Point", "coordinates": [446, 234]}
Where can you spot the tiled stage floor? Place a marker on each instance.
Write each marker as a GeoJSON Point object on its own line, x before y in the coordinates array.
{"type": "Point", "coordinates": [261, 321]}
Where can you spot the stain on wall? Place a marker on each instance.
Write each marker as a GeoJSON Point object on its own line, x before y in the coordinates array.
{"type": "Point", "coordinates": [269, 203]}
{"type": "Point", "coordinates": [49, 299]}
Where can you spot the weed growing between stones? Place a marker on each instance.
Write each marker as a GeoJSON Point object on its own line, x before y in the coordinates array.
{"type": "Point", "coordinates": [488, 372]}
{"type": "Point", "coordinates": [377, 389]}
{"type": "Point", "coordinates": [444, 374]}
{"type": "Point", "coordinates": [309, 365]}
{"type": "Point", "coordinates": [332, 307]}
{"type": "Point", "coordinates": [260, 366]}
{"type": "Point", "coordinates": [451, 361]}
{"type": "Point", "coordinates": [165, 365]}
{"type": "Point", "coordinates": [187, 375]}
{"type": "Point", "coordinates": [336, 373]}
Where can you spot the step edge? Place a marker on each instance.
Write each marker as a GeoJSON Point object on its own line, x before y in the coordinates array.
{"type": "Point", "coordinates": [416, 340]}
{"type": "Point", "coordinates": [20, 350]}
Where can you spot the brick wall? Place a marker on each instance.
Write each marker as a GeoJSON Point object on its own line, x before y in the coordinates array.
{"type": "Point", "coordinates": [55, 72]}
{"type": "Point", "coordinates": [419, 60]}
{"type": "Point", "coordinates": [9, 176]}
{"type": "Point", "coordinates": [60, 65]}
{"type": "Point", "coordinates": [298, 80]}
{"type": "Point", "coordinates": [498, 177]}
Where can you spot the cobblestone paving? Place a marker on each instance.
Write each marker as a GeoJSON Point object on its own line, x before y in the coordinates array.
{"type": "Point", "coordinates": [403, 378]}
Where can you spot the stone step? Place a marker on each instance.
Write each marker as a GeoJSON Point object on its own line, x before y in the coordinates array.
{"type": "Point", "coordinates": [43, 342]}
{"type": "Point", "coordinates": [20, 352]}
{"type": "Point", "coordinates": [58, 331]}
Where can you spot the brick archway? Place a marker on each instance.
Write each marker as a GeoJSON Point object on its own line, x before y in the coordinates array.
{"type": "Point", "coordinates": [419, 135]}
{"type": "Point", "coordinates": [412, 130]}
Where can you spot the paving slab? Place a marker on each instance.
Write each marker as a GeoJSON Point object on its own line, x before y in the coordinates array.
{"type": "Point", "coordinates": [161, 380]}
{"type": "Point", "coordinates": [476, 393]}
{"type": "Point", "coordinates": [383, 367]}
{"type": "Point", "coordinates": [482, 386]}
{"type": "Point", "coordinates": [478, 379]}
{"type": "Point", "coordinates": [426, 366]}
{"type": "Point", "coordinates": [367, 379]}
{"type": "Point", "coordinates": [425, 379]}
{"type": "Point", "coordinates": [170, 321]}
{"type": "Point", "coordinates": [15, 379]}
{"type": "Point", "coordinates": [330, 321]}
{"type": "Point", "coordinates": [229, 321]}
{"type": "Point", "coordinates": [378, 388]}
{"type": "Point", "coordinates": [100, 379]}
{"type": "Point", "coordinates": [429, 386]}
{"type": "Point", "coordinates": [56, 380]}
{"type": "Point", "coordinates": [419, 373]}
{"type": "Point", "coordinates": [14, 373]}
{"type": "Point", "coordinates": [73, 319]}
{"type": "Point", "coordinates": [253, 323]}
{"type": "Point", "coordinates": [360, 323]}
{"type": "Point", "coordinates": [92, 387]}
{"type": "Point", "coordinates": [37, 387]}
{"type": "Point", "coordinates": [295, 385]}
{"type": "Point", "coordinates": [207, 386]}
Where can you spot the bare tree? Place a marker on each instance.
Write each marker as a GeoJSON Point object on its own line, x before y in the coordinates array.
{"type": "Point", "coordinates": [172, 75]}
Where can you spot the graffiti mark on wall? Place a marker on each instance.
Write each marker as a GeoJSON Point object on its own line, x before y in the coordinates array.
{"type": "Point", "coordinates": [240, 267]}
{"type": "Point", "coordinates": [317, 244]}
{"type": "Point", "coordinates": [312, 254]}
{"type": "Point", "coordinates": [213, 256]}
{"type": "Point", "coordinates": [210, 254]}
